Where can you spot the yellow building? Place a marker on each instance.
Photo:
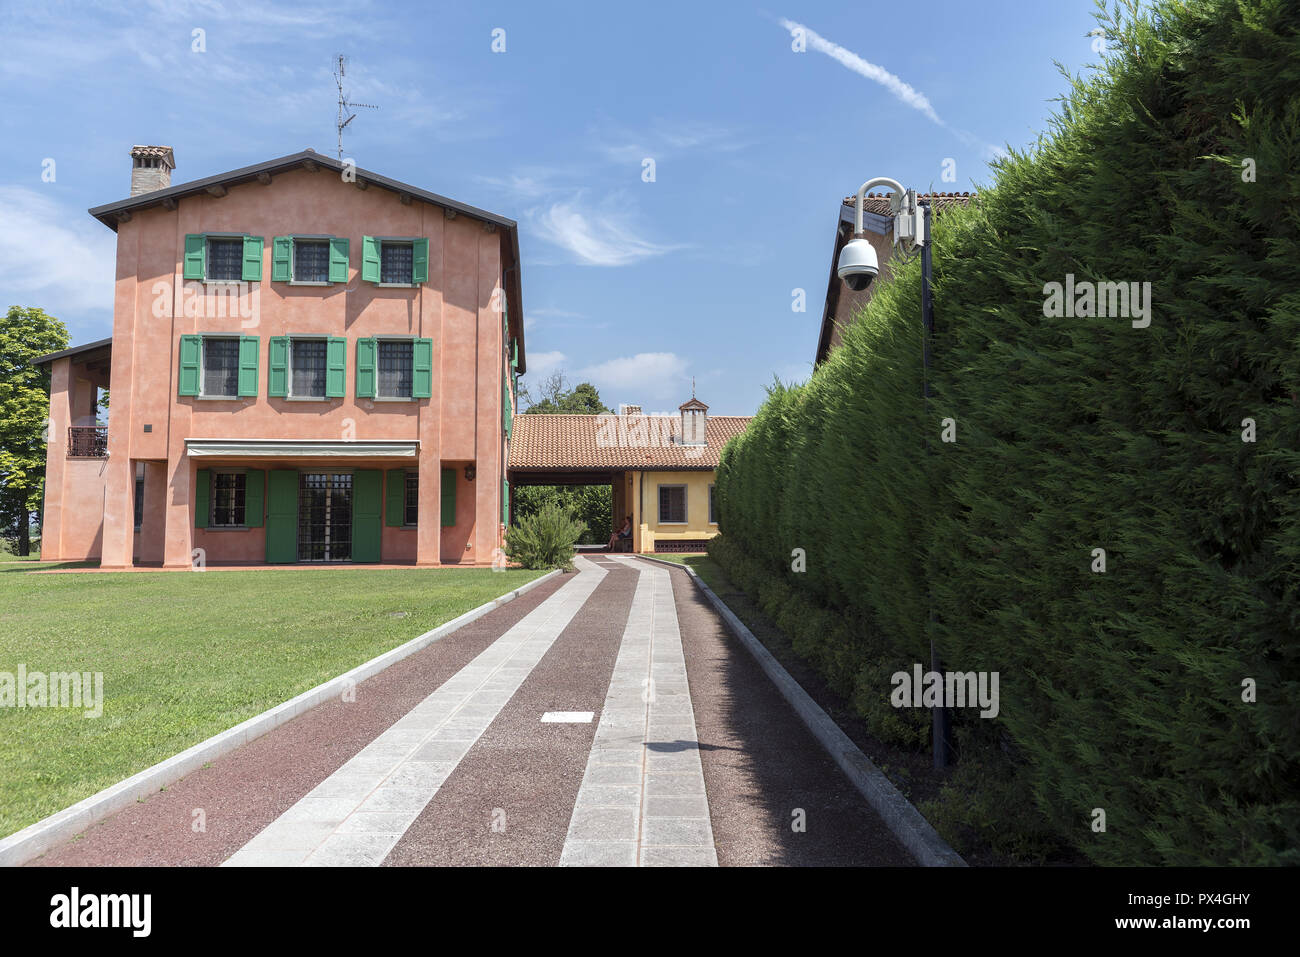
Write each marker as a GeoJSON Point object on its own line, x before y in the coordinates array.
{"type": "Point", "coordinates": [661, 467]}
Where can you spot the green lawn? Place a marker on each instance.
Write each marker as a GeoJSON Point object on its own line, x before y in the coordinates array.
{"type": "Point", "coordinates": [188, 654]}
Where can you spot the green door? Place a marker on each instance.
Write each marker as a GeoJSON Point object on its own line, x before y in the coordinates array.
{"type": "Point", "coordinates": [367, 518]}
{"type": "Point", "coordinates": [282, 517]}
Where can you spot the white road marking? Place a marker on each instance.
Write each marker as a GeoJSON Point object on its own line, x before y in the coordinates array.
{"type": "Point", "coordinates": [568, 717]}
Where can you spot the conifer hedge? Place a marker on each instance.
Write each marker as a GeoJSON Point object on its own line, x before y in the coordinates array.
{"type": "Point", "coordinates": [1121, 690]}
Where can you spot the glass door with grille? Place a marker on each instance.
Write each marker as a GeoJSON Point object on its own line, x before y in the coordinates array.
{"type": "Point", "coordinates": [325, 517]}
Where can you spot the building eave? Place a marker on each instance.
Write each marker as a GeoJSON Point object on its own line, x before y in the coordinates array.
{"type": "Point", "coordinates": [75, 350]}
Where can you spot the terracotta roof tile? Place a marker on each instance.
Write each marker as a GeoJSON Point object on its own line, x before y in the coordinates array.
{"type": "Point", "coordinates": [561, 442]}
{"type": "Point", "coordinates": [878, 203]}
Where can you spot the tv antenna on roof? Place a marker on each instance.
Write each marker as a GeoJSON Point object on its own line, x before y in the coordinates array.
{"type": "Point", "coordinates": [346, 115]}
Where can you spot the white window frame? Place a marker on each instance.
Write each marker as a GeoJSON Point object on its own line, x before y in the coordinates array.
{"type": "Point", "coordinates": [324, 382]}
{"type": "Point", "coordinates": [293, 259]}
{"type": "Point", "coordinates": [395, 398]}
{"type": "Point", "coordinates": [204, 338]}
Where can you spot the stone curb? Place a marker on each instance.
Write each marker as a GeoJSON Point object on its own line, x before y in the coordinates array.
{"type": "Point", "coordinates": [35, 839]}
{"type": "Point", "coordinates": [905, 821]}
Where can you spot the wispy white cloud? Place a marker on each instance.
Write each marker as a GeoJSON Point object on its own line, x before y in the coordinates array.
{"type": "Point", "coordinates": [603, 235]}
{"type": "Point", "coordinates": [54, 257]}
{"type": "Point", "coordinates": [874, 72]}
{"type": "Point", "coordinates": [903, 91]}
{"type": "Point", "coordinates": [646, 375]}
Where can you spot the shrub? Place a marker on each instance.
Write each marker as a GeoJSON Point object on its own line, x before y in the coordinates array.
{"type": "Point", "coordinates": [1120, 690]}
{"type": "Point", "coordinates": [544, 539]}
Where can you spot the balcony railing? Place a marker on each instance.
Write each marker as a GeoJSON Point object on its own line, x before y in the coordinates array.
{"type": "Point", "coordinates": [88, 441]}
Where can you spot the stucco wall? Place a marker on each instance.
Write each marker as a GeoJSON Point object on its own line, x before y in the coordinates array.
{"type": "Point", "coordinates": [697, 508]}
{"type": "Point", "coordinates": [154, 306]}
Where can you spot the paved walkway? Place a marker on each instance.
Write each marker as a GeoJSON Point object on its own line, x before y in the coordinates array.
{"type": "Point", "coordinates": [604, 718]}
{"type": "Point", "coordinates": [642, 797]}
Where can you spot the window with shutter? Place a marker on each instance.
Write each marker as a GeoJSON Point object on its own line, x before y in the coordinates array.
{"type": "Point", "coordinates": [396, 262]}
{"type": "Point", "coordinates": [225, 259]}
{"type": "Point", "coordinates": [311, 260]}
{"type": "Point", "coordinates": [220, 368]}
{"type": "Point", "coordinates": [395, 368]}
{"type": "Point", "coordinates": [229, 490]}
{"type": "Point", "coordinates": [307, 368]}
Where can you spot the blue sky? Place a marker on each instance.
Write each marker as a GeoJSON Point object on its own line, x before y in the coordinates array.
{"type": "Point", "coordinates": [638, 286]}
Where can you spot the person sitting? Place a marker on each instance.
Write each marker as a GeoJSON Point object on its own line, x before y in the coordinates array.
{"type": "Point", "coordinates": [625, 532]}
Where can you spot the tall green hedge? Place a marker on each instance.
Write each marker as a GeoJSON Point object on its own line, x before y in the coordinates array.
{"type": "Point", "coordinates": [1120, 690]}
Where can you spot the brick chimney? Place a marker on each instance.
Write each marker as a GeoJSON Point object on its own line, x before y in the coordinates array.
{"type": "Point", "coordinates": [151, 168]}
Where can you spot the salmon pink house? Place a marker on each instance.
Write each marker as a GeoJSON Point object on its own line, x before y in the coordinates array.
{"type": "Point", "coordinates": [309, 363]}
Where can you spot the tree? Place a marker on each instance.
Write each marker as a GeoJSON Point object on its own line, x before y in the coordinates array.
{"type": "Point", "coordinates": [590, 504]}
{"type": "Point", "coordinates": [25, 334]}
{"type": "Point", "coordinates": [553, 398]}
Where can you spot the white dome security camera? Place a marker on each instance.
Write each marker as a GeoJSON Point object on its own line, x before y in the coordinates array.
{"type": "Point", "coordinates": [858, 264]}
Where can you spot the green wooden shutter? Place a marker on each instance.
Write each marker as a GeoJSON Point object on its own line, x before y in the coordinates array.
{"type": "Point", "coordinates": [254, 497]}
{"type": "Point", "coordinates": [367, 530]}
{"type": "Point", "coordinates": [336, 367]}
{"type": "Point", "coordinates": [448, 497]}
{"type": "Point", "coordinates": [196, 246]}
{"type": "Point", "coordinates": [507, 414]}
{"type": "Point", "coordinates": [202, 497]}
{"type": "Point", "coordinates": [282, 517]}
{"type": "Point", "coordinates": [281, 259]}
{"type": "Point", "coordinates": [277, 366]}
{"type": "Point", "coordinates": [191, 357]}
{"type": "Point", "coordinates": [370, 259]}
{"type": "Point", "coordinates": [248, 350]}
{"type": "Point", "coordinates": [514, 353]}
{"type": "Point", "coordinates": [395, 498]}
{"type": "Point", "coordinates": [422, 369]}
{"type": "Point", "coordinates": [366, 377]}
{"type": "Point", "coordinates": [252, 259]}
{"type": "Point", "coordinates": [338, 260]}
{"type": "Point", "coordinates": [505, 502]}
{"type": "Point", "coordinates": [420, 260]}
